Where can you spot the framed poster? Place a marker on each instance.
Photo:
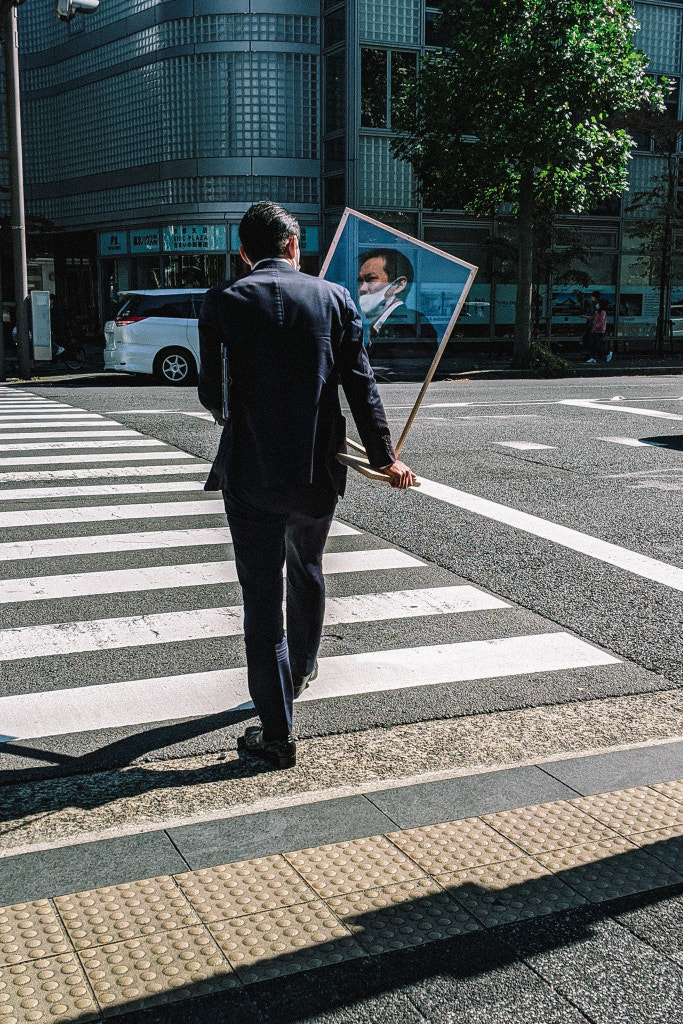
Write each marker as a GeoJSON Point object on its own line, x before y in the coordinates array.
{"type": "Point", "coordinates": [406, 291]}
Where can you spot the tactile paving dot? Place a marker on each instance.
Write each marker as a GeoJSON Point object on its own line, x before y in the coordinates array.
{"type": "Point", "coordinates": [454, 845]}
{"type": "Point", "coordinates": [611, 868]}
{"type": "Point", "coordinates": [511, 891]}
{"type": "Point", "coordinates": [551, 826]}
{"type": "Point", "coordinates": [632, 810]}
{"type": "Point", "coordinates": [397, 916]}
{"type": "Point", "coordinates": [53, 989]}
{"type": "Point", "coordinates": [340, 868]}
{"type": "Point", "coordinates": [284, 941]}
{"type": "Point", "coordinates": [119, 912]}
{"type": "Point", "coordinates": [674, 790]}
{"type": "Point", "coordinates": [148, 969]}
{"type": "Point", "coordinates": [30, 931]}
{"type": "Point", "coordinates": [666, 844]}
{"type": "Point", "coordinates": [248, 887]}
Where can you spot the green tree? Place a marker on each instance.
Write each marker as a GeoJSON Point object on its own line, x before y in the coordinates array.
{"type": "Point", "coordinates": [525, 104]}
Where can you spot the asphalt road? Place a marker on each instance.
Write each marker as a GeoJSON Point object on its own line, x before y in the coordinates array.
{"type": "Point", "coordinates": [538, 492]}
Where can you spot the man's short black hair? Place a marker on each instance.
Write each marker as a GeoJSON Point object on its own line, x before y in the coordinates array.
{"type": "Point", "coordinates": [265, 230]}
{"type": "Point", "coordinates": [395, 263]}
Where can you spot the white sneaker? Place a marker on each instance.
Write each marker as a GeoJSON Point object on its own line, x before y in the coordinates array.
{"type": "Point", "coordinates": [609, 356]}
{"type": "Point", "coordinates": [590, 360]}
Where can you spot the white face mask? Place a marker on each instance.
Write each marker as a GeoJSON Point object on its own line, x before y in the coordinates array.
{"type": "Point", "coordinates": [371, 303]}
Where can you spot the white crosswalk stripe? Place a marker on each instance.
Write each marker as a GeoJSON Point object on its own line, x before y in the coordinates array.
{"type": "Point", "coordinates": [168, 604]}
{"type": "Point", "coordinates": [202, 623]}
{"type": "Point", "coordinates": [149, 540]}
{"type": "Point", "coordinates": [62, 460]}
{"type": "Point", "coordinates": [198, 574]}
{"type": "Point", "coordinates": [86, 491]}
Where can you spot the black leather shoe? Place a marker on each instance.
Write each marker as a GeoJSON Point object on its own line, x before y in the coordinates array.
{"type": "Point", "coordinates": [278, 753]}
{"type": "Point", "coordinates": [301, 682]}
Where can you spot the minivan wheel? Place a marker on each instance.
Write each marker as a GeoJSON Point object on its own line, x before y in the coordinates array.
{"type": "Point", "coordinates": [174, 366]}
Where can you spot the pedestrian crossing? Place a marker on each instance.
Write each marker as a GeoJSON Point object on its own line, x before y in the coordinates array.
{"type": "Point", "coordinates": [93, 590]}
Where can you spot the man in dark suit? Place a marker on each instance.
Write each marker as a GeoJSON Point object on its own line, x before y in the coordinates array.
{"type": "Point", "coordinates": [291, 340]}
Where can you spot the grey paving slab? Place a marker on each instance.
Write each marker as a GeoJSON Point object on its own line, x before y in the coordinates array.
{"type": "Point", "coordinates": [68, 869]}
{"type": "Point", "coordinates": [654, 919]}
{"type": "Point", "coordinates": [474, 980]}
{"type": "Point", "coordinates": [278, 831]}
{"type": "Point", "coordinates": [452, 799]}
{"type": "Point", "coordinates": [605, 970]}
{"type": "Point", "coordinates": [620, 769]}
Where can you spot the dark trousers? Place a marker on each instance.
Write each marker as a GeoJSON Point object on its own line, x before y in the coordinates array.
{"type": "Point", "coordinates": [598, 347]}
{"type": "Point", "coordinates": [278, 530]}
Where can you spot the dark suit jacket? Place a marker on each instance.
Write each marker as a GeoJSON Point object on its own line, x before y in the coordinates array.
{"type": "Point", "coordinates": [291, 340]}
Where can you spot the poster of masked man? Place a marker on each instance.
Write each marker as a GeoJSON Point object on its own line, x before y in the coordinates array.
{"type": "Point", "coordinates": [409, 295]}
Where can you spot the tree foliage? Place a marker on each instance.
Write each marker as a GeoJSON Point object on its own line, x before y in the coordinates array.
{"type": "Point", "coordinates": [526, 104]}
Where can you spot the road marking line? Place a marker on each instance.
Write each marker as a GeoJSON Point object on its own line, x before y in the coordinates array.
{"type": "Point", "coordinates": [102, 472]}
{"type": "Point", "coordinates": [115, 430]}
{"type": "Point", "coordinates": [603, 551]}
{"type": "Point", "coordinates": [57, 427]}
{"type": "Point", "coordinates": [86, 490]}
{"type": "Point", "coordinates": [590, 403]}
{"type": "Point", "coordinates": [629, 442]}
{"type": "Point", "coordinates": [48, 418]}
{"type": "Point", "coordinates": [51, 446]}
{"type": "Point", "coordinates": [39, 460]}
{"type": "Point", "coordinates": [202, 623]}
{"type": "Point", "coordinates": [141, 701]}
{"type": "Point", "coordinates": [525, 446]}
{"type": "Point", "coordinates": [170, 577]}
{"type": "Point", "coordinates": [147, 540]}
{"type": "Point", "coordinates": [111, 513]}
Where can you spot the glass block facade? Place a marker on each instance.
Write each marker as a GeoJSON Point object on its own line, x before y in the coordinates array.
{"type": "Point", "coordinates": [149, 113]}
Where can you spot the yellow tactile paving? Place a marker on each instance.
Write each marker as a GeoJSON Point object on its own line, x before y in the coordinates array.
{"type": "Point", "coordinates": [610, 868]}
{"type": "Point", "coordinates": [119, 912]}
{"type": "Point", "coordinates": [454, 845]}
{"type": "Point", "coordinates": [279, 942]}
{"type": "Point", "coordinates": [628, 811]}
{"type": "Point", "coordinates": [511, 891]}
{"type": "Point", "coordinates": [98, 952]}
{"type": "Point", "coordinates": [666, 844]}
{"type": "Point", "coordinates": [411, 913]}
{"type": "Point", "coordinates": [30, 931]}
{"type": "Point", "coordinates": [248, 887]}
{"type": "Point", "coordinates": [51, 989]}
{"type": "Point", "coordinates": [340, 868]}
{"type": "Point", "coordinates": [146, 971]}
{"type": "Point", "coordinates": [552, 826]}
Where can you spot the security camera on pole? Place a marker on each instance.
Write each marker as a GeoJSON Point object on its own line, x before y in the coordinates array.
{"type": "Point", "coordinates": [66, 9]}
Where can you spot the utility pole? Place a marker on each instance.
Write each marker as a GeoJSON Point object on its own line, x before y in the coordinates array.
{"type": "Point", "coordinates": [10, 40]}
{"type": "Point", "coordinates": [66, 10]}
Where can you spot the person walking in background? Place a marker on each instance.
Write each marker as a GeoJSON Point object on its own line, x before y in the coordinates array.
{"type": "Point", "coordinates": [291, 339]}
{"type": "Point", "coordinates": [596, 323]}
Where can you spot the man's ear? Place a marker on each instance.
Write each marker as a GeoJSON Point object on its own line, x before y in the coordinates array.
{"type": "Point", "coordinates": [244, 256]}
{"type": "Point", "coordinates": [398, 286]}
{"type": "Point", "coordinates": [291, 247]}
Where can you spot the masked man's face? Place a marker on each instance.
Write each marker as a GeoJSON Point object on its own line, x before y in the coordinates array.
{"type": "Point", "coordinates": [375, 291]}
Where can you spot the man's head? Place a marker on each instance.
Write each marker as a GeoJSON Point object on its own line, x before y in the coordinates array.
{"type": "Point", "coordinates": [384, 275]}
{"type": "Point", "coordinates": [268, 230]}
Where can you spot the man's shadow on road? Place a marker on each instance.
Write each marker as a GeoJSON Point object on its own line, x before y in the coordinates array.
{"type": "Point", "coordinates": [123, 753]}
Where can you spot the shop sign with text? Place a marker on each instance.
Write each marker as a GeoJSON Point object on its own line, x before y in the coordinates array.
{"type": "Point", "coordinates": [144, 240]}
{"type": "Point", "coordinates": [113, 243]}
{"type": "Point", "coordinates": [194, 238]}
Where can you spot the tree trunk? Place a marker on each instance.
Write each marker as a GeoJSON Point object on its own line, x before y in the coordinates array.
{"type": "Point", "coordinates": [521, 355]}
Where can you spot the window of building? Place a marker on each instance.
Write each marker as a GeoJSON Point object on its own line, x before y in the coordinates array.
{"type": "Point", "coordinates": [335, 92]}
{"type": "Point", "coordinates": [334, 27]}
{"type": "Point", "coordinates": [432, 35]}
{"type": "Point", "coordinates": [334, 153]}
{"type": "Point", "coordinates": [383, 76]}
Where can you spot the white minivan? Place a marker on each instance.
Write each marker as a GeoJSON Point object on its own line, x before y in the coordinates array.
{"type": "Point", "coordinates": [156, 332]}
